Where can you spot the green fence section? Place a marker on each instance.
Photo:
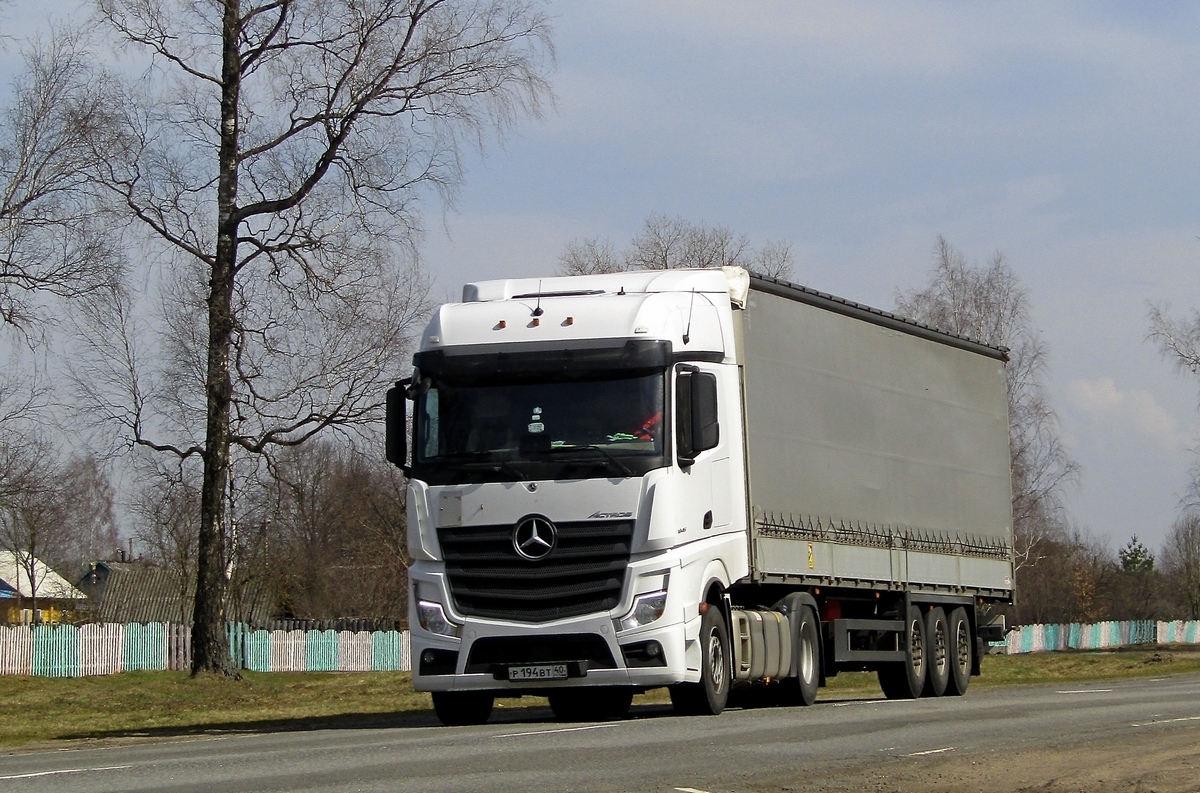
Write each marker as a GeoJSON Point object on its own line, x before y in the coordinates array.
{"type": "Point", "coordinates": [321, 651]}
{"type": "Point", "coordinates": [71, 651]}
{"type": "Point", "coordinates": [389, 651]}
{"type": "Point", "coordinates": [145, 647]}
{"type": "Point", "coordinates": [1100, 635]}
{"type": "Point", "coordinates": [55, 651]}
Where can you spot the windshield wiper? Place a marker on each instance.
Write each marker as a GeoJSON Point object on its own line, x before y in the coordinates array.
{"type": "Point", "coordinates": [485, 456]}
{"type": "Point", "coordinates": [620, 466]}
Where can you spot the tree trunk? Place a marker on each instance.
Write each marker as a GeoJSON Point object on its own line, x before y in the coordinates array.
{"type": "Point", "coordinates": [210, 642]}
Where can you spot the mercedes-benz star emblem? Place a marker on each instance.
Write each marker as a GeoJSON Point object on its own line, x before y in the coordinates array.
{"type": "Point", "coordinates": [534, 538]}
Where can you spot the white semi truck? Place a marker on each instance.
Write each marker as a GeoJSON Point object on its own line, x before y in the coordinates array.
{"type": "Point", "coordinates": [700, 479]}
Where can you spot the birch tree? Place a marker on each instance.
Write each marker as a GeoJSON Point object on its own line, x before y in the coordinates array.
{"type": "Point", "coordinates": [275, 154]}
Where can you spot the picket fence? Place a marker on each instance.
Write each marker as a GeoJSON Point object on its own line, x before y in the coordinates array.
{"type": "Point", "coordinates": [1100, 635]}
{"type": "Point", "coordinates": [107, 649]}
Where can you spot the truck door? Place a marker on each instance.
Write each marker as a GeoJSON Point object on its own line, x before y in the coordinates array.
{"type": "Point", "coordinates": [702, 444]}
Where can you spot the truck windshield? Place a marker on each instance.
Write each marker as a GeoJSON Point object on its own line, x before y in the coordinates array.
{"type": "Point", "coordinates": [543, 426]}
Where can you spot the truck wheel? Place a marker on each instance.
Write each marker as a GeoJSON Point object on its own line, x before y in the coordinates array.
{"type": "Point", "coordinates": [708, 697]}
{"type": "Point", "coordinates": [937, 677]}
{"type": "Point", "coordinates": [961, 651]}
{"type": "Point", "coordinates": [906, 680]}
{"type": "Point", "coordinates": [591, 704]}
{"type": "Point", "coordinates": [802, 689]}
{"type": "Point", "coordinates": [457, 708]}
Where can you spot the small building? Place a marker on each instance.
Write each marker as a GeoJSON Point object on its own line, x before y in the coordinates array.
{"type": "Point", "coordinates": [53, 601]}
{"type": "Point", "coordinates": [129, 592]}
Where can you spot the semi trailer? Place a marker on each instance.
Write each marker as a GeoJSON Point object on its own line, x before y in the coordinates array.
{"type": "Point", "coordinates": [723, 484]}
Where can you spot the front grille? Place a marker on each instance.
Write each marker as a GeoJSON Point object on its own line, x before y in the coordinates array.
{"type": "Point", "coordinates": [585, 572]}
{"type": "Point", "coordinates": [491, 651]}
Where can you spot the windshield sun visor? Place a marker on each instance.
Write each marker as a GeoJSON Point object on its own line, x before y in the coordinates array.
{"type": "Point", "coordinates": [479, 364]}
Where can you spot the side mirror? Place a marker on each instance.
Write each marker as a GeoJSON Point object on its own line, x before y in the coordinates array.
{"type": "Point", "coordinates": [396, 428]}
{"type": "Point", "coordinates": [706, 430]}
{"type": "Point", "coordinates": [696, 413]}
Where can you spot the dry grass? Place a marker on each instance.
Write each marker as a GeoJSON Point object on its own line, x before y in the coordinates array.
{"type": "Point", "coordinates": [141, 704]}
{"type": "Point", "coordinates": [169, 704]}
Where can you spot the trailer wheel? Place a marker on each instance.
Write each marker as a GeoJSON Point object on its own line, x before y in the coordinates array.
{"type": "Point", "coordinates": [591, 704]}
{"type": "Point", "coordinates": [906, 680]}
{"type": "Point", "coordinates": [708, 697]}
{"type": "Point", "coordinates": [937, 638]}
{"type": "Point", "coordinates": [961, 649]}
{"type": "Point", "coordinates": [802, 689]}
{"type": "Point", "coordinates": [457, 708]}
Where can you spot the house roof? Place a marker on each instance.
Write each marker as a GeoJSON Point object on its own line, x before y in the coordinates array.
{"type": "Point", "coordinates": [14, 579]}
{"type": "Point", "coordinates": [138, 592]}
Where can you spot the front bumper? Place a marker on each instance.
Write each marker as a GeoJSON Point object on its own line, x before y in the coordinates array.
{"type": "Point", "coordinates": [594, 649]}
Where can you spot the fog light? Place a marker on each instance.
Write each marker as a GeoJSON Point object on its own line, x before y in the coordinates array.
{"type": "Point", "coordinates": [646, 609]}
{"type": "Point", "coordinates": [433, 619]}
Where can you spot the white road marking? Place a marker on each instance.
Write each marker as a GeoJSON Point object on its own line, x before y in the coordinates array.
{"type": "Point", "coordinates": [1165, 721]}
{"type": "Point", "coordinates": [65, 771]}
{"type": "Point", "coordinates": [931, 751]}
{"type": "Point", "coordinates": [551, 732]}
{"type": "Point", "coordinates": [690, 790]}
{"type": "Point", "coordinates": [868, 702]}
{"type": "Point", "coordinates": [1088, 691]}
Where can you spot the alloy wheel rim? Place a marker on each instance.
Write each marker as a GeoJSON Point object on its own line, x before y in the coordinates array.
{"type": "Point", "coordinates": [716, 660]}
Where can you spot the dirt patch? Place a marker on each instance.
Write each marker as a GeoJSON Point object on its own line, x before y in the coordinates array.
{"type": "Point", "coordinates": [1159, 760]}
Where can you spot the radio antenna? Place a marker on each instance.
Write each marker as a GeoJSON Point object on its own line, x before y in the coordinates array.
{"type": "Point", "coordinates": [537, 311]}
{"type": "Point", "coordinates": [687, 334]}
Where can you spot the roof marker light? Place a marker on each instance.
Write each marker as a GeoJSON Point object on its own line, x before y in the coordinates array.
{"type": "Point", "coordinates": [501, 325]}
{"type": "Point", "coordinates": [569, 321]}
{"type": "Point", "coordinates": [533, 323]}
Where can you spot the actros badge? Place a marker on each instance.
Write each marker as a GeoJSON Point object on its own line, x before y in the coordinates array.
{"type": "Point", "coordinates": [534, 537]}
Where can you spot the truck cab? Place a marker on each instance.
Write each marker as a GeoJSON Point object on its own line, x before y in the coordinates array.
{"type": "Point", "coordinates": [575, 485]}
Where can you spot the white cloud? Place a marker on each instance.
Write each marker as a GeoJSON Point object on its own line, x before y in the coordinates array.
{"type": "Point", "coordinates": [1102, 401]}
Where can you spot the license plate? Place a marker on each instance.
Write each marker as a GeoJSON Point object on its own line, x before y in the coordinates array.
{"type": "Point", "coordinates": [538, 672]}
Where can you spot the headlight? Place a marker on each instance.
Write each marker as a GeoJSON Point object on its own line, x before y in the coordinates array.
{"type": "Point", "coordinates": [433, 619]}
{"type": "Point", "coordinates": [646, 609]}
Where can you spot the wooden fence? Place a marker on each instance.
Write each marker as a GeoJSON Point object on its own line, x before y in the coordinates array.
{"type": "Point", "coordinates": [106, 649]}
{"type": "Point", "coordinates": [1100, 635]}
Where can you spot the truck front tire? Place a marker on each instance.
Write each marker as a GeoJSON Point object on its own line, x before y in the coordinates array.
{"type": "Point", "coordinates": [708, 697]}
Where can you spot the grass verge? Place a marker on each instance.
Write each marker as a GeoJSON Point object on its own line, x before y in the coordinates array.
{"type": "Point", "coordinates": [168, 704]}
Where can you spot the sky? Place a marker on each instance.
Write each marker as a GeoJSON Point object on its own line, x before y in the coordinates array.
{"type": "Point", "coordinates": [1062, 134]}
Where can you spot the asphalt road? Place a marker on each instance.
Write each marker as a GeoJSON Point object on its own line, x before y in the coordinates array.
{"type": "Point", "coordinates": [526, 751]}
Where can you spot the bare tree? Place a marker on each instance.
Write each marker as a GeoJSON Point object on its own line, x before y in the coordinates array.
{"type": "Point", "coordinates": [164, 513]}
{"type": "Point", "coordinates": [592, 255]}
{"type": "Point", "coordinates": [1178, 338]}
{"type": "Point", "coordinates": [990, 305]}
{"type": "Point", "coordinates": [667, 243]}
{"type": "Point", "coordinates": [32, 507]}
{"type": "Point", "coordinates": [54, 238]}
{"type": "Point", "coordinates": [89, 512]}
{"type": "Point", "coordinates": [1181, 561]}
{"type": "Point", "coordinates": [274, 160]}
{"type": "Point", "coordinates": [326, 529]}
